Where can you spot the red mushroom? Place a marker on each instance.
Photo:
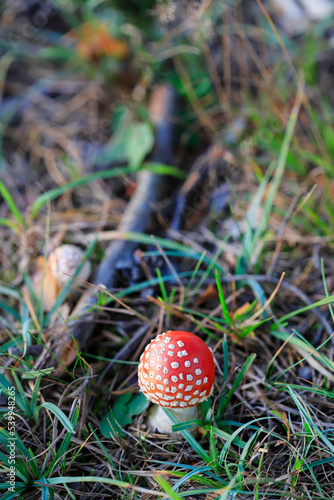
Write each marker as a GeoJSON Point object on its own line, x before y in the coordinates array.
{"type": "Point", "coordinates": [176, 371]}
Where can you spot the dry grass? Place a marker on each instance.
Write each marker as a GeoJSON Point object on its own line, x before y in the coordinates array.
{"type": "Point", "coordinates": [255, 137]}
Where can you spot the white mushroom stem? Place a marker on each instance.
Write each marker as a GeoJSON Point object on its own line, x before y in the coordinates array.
{"type": "Point", "coordinates": [159, 421]}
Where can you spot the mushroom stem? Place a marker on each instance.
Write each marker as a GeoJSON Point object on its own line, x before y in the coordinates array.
{"type": "Point", "coordinates": [159, 420]}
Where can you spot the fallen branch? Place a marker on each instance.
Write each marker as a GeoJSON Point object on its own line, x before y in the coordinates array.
{"type": "Point", "coordinates": [67, 341]}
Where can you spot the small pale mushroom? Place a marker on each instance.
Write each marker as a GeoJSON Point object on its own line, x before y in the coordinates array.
{"type": "Point", "coordinates": [176, 371]}
{"type": "Point", "coordinates": [64, 259]}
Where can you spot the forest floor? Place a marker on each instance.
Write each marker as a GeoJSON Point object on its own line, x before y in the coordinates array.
{"type": "Point", "coordinates": [186, 149]}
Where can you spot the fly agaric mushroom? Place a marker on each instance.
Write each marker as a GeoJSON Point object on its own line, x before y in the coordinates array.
{"type": "Point", "coordinates": [176, 371]}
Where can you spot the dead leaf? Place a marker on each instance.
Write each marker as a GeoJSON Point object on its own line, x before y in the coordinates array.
{"type": "Point", "coordinates": [95, 42]}
{"type": "Point", "coordinates": [50, 285]}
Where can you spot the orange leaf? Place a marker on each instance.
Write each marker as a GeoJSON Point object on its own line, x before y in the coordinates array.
{"type": "Point", "coordinates": [95, 42]}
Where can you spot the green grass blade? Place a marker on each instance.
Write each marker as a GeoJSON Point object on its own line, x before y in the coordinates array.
{"type": "Point", "coordinates": [44, 198]}
{"type": "Point", "coordinates": [279, 171]}
{"type": "Point", "coordinates": [167, 488]}
{"type": "Point", "coordinates": [21, 402]}
{"type": "Point", "coordinates": [8, 223]}
{"type": "Point", "coordinates": [319, 303]}
{"type": "Point", "coordinates": [10, 494]}
{"type": "Point", "coordinates": [63, 449]}
{"type": "Point", "coordinates": [188, 437]}
{"type": "Point", "coordinates": [248, 363]}
{"type": "Point", "coordinates": [325, 287]}
{"type": "Point", "coordinates": [67, 424]}
{"type": "Point", "coordinates": [223, 302]}
{"type": "Point", "coordinates": [4, 192]}
{"type": "Point", "coordinates": [195, 472]}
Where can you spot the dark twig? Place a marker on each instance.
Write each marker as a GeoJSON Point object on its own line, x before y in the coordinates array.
{"type": "Point", "coordinates": [70, 338]}
{"type": "Point", "coordinates": [127, 349]}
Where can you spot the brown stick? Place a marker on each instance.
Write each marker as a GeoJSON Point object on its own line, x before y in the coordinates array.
{"type": "Point", "coordinates": [64, 344]}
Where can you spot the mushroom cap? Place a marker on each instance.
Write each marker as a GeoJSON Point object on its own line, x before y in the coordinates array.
{"type": "Point", "coordinates": [176, 370]}
{"type": "Point", "coordinates": [66, 259]}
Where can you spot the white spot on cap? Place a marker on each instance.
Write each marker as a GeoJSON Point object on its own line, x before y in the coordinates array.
{"type": "Point", "coordinates": [159, 358]}
{"type": "Point", "coordinates": [147, 355]}
{"type": "Point", "coordinates": [189, 388]}
{"type": "Point", "coordinates": [170, 353]}
{"type": "Point", "coordinates": [187, 364]}
{"type": "Point", "coordinates": [183, 404]}
{"type": "Point", "coordinates": [199, 381]}
{"type": "Point", "coordinates": [174, 378]}
{"type": "Point", "coordinates": [189, 377]}
{"type": "Point", "coordinates": [151, 362]}
{"type": "Point", "coordinates": [165, 370]}
{"type": "Point", "coordinates": [198, 371]}
{"type": "Point", "coordinates": [155, 352]}
{"type": "Point", "coordinates": [168, 398]}
{"type": "Point", "coordinates": [194, 401]}
{"type": "Point", "coordinates": [187, 398]}
{"type": "Point", "coordinates": [181, 376]}
{"type": "Point", "coordinates": [171, 346]}
{"type": "Point", "coordinates": [202, 393]}
{"type": "Point", "coordinates": [163, 350]}
{"type": "Point", "coordinates": [182, 353]}
{"type": "Point", "coordinates": [158, 377]}
{"type": "Point", "coordinates": [167, 339]}
{"type": "Point", "coordinates": [181, 386]}
{"type": "Point", "coordinates": [159, 394]}
{"type": "Point", "coordinates": [179, 395]}
{"type": "Point", "coordinates": [166, 381]}
{"type": "Point", "coordinates": [164, 403]}
{"type": "Point", "coordinates": [195, 392]}
{"type": "Point", "coordinates": [205, 380]}
{"type": "Point", "coordinates": [144, 375]}
{"type": "Point", "coordinates": [160, 387]}
{"type": "Point", "coordinates": [152, 386]}
{"type": "Point", "coordinates": [195, 360]}
{"type": "Point", "coordinates": [203, 399]}
{"type": "Point", "coordinates": [152, 374]}
{"type": "Point", "coordinates": [159, 367]}
{"type": "Point", "coordinates": [180, 343]}
{"type": "Point", "coordinates": [174, 365]}
{"type": "Point", "coordinates": [162, 345]}
{"type": "Point", "coordinates": [146, 366]}
{"type": "Point", "coordinates": [175, 403]}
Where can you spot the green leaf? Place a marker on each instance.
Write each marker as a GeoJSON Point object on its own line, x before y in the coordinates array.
{"type": "Point", "coordinates": [121, 410]}
{"type": "Point", "coordinates": [138, 404]}
{"type": "Point", "coordinates": [139, 144]}
{"type": "Point", "coordinates": [128, 405]}
{"type": "Point", "coordinates": [109, 427]}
